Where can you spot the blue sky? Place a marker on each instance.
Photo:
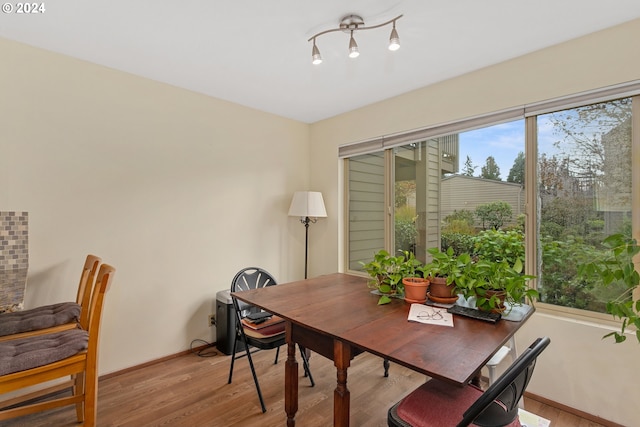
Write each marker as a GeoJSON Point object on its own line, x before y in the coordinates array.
{"type": "Point", "coordinates": [503, 142]}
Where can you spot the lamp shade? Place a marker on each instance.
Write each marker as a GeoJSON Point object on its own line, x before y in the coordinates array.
{"type": "Point", "coordinates": [307, 204]}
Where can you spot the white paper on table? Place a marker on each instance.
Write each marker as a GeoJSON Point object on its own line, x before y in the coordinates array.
{"type": "Point", "coordinates": [430, 315]}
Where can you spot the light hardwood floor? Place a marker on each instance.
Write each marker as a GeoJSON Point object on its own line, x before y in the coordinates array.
{"type": "Point", "coordinates": [191, 390]}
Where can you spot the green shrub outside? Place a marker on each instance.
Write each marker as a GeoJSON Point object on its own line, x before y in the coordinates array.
{"type": "Point", "coordinates": [562, 252]}
{"type": "Point", "coordinates": [459, 242]}
{"type": "Point", "coordinates": [560, 283]}
{"type": "Point", "coordinates": [499, 245]}
{"type": "Point", "coordinates": [405, 228]}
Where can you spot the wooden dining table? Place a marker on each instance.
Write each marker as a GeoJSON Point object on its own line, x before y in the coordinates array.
{"type": "Point", "coordinates": [338, 317]}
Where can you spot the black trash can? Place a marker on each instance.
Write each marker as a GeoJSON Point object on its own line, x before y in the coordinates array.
{"type": "Point", "coordinates": [226, 323]}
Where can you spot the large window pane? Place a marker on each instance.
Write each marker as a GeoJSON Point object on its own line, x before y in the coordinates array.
{"type": "Point", "coordinates": [584, 193]}
{"type": "Point", "coordinates": [366, 207]}
{"type": "Point", "coordinates": [417, 180]}
{"type": "Point", "coordinates": [482, 200]}
{"type": "Point", "coordinates": [447, 191]}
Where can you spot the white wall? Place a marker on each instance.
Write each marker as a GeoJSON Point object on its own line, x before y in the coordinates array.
{"type": "Point", "coordinates": [581, 370]}
{"type": "Point", "coordinates": [578, 369]}
{"type": "Point", "coordinates": [177, 190]}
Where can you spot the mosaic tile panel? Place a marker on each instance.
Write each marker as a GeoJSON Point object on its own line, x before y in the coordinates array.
{"type": "Point", "coordinates": [14, 258]}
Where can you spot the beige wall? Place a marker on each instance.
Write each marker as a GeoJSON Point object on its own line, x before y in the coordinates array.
{"type": "Point", "coordinates": [578, 369]}
{"type": "Point", "coordinates": [177, 190]}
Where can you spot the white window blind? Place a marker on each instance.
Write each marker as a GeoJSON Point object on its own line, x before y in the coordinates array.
{"type": "Point", "coordinates": [388, 141]}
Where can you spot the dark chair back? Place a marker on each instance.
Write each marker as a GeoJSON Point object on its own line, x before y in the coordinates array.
{"type": "Point", "coordinates": [498, 405]}
{"type": "Point", "coordinates": [247, 279]}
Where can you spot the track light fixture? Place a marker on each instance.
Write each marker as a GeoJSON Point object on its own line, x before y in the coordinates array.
{"type": "Point", "coordinates": [353, 47]}
{"type": "Point", "coordinates": [349, 24]}
{"type": "Point", "coordinates": [394, 39]}
{"type": "Point", "coordinates": [316, 58]}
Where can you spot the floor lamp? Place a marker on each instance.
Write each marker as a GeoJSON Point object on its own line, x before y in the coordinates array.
{"type": "Point", "coordinates": [309, 206]}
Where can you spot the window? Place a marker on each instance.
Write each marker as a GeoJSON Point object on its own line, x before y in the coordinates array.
{"type": "Point", "coordinates": [416, 184]}
{"type": "Point", "coordinates": [584, 195]}
{"type": "Point", "coordinates": [463, 185]}
{"type": "Point", "coordinates": [443, 191]}
{"type": "Point", "coordinates": [366, 207]}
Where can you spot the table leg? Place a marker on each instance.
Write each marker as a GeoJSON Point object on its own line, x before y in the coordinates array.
{"type": "Point", "coordinates": [291, 380]}
{"type": "Point", "coordinates": [341, 395]}
{"type": "Point", "coordinates": [476, 380]}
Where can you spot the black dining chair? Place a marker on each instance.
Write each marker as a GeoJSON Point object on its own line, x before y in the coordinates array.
{"type": "Point", "coordinates": [440, 404]}
{"type": "Point", "coordinates": [268, 337]}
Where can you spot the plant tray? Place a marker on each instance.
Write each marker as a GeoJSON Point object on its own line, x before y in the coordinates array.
{"type": "Point", "coordinates": [441, 300]}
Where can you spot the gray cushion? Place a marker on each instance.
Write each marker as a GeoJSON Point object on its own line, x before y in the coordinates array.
{"type": "Point", "coordinates": [26, 353]}
{"type": "Point", "coordinates": [39, 318]}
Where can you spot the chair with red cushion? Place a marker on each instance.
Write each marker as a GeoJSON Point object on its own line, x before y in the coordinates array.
{"type": "Point", "coordinates": [440, 404]}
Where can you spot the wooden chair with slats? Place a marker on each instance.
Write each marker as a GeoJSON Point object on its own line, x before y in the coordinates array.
{"type": "Point", "coordinates": [73, 353]}
{"type": "Point", "coordinates": [53, 317]}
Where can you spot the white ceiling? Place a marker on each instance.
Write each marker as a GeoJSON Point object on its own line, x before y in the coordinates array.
{"type": "Point", "coordinates": [256, 52]}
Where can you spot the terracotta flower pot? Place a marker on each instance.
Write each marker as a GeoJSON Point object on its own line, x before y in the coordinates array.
{"type": "Point", "coordinates": [501, 296]}
{"type": "Point", "coordinates": [440, 292]}
{"type": "Point", "coordinates": [440, 289]}
{"type": "Point", "coordinates": [415, 289]}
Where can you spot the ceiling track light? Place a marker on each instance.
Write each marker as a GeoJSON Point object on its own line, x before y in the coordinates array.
{"type": "Point", "coordinates": [353, 47]}
{"type": "Point", "coordinates": [394, 39]}
{"type": "Point", "coordinates": [316, 58]}
{"type": "Point", "coordinates": [349, 24]}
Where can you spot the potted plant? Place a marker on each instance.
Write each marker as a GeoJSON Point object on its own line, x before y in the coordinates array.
{"type": "Point", "coordinates": [415, 285]}
{"type": "Point", "coordinates": [446, 272]}
{"type": "Point", "coordinates": [386, 273]}
{"type": "Point", "coordinates": [617, 266]}
{"type": "Point", "coordinates": [493, 283]}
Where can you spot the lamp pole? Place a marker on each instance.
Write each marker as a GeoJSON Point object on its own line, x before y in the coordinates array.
{"type": "Point", "coordinates": [306, 220]}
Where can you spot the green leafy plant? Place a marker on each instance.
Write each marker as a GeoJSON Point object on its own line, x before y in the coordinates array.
{"type": "Point", "coordinates": [386, 273]}
{"type": "Point", "coordinates": [616, 268]}
{"type": "Point", "coordinates": [493, 282]}
{"type": "Point", "coordinates": [447, 264]}
{"type": "Point", "coordinates": [499, 245]}
{"type": "Point", "coordinates": [410, 266]}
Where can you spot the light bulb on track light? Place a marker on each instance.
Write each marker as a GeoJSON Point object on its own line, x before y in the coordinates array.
{"type": "Point", "coordinates": [353, 47]}
{"type": "Point", "coordinates": [394, 39]}
{"type": "Point", "coordinates": [316, 58]}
